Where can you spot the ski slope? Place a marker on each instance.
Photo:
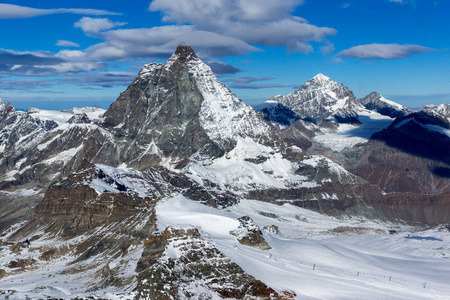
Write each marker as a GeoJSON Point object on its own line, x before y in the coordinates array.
{"type": "Point", "coordinates": [314, 262]}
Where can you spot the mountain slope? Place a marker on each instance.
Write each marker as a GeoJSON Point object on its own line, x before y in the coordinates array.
{"type": "Point", "coordinates": [179, 108]}
{"type": "Point", "coordinates": [411, 155]}
{"type": "Point", "coordinates": [322, 99]}
{"type": "Point", "coordinates": [374, 101]}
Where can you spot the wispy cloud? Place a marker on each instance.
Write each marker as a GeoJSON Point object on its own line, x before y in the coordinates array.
{"type": "Point", "coordinates": [24, 84]}
{"type": "Point", "coordinates": [9, 57]}
{"type": "Point", "coordinates": [64, 43]}
{"type": "Point", "coordinates": [221, 68]}
{"type": "Point", "coordinates": [95, 25]}
{"type": "Point", "coordinates": [248, 82]}
{"type": "Point", "coordinates": [11, 11]}
{"type": "Point", "coordinates": [103, 79]}
{"type": "Point", "coordinates": [383, 51]}
{"type": "Point", "coordinates": [40, 63]}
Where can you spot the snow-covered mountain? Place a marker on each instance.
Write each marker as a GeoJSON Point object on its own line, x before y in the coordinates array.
{"type": "Point", "coordinates": [49, 119]}
{"type": "Point", "coordinates": [151, 200]}
{"type": "Point", "coordinates": [329, 114]}
{"type": "Point", "coordinates": [178, 109]}
{"type": "Point", "coordinates": [322, 99]}
{"type": "Point", "coordinates": [374, 101]}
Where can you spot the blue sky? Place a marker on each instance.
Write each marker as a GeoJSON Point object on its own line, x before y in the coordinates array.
{"type": "Point", "coordinates": [60, 54]}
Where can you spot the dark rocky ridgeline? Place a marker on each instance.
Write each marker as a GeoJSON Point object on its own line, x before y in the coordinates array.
{"type": "Point", "coordinates": [411, 155]}
{"type": "Point", "coordinates": [17, 132]}
{"type": "Point", "coordinates": [161, 106]}
{"type": "Point", "coordinates": [167, 113]}
{"type": "Point", "coordinates": [278, 115]}
{"type": "Point", "coordinates": [374, 101]}
{"type": "Point", "coordinates": [72, 207]}
{"type": "Point", "coordinates": [416, 209]}
{"type": "Point", "coordinates": [197, 266]}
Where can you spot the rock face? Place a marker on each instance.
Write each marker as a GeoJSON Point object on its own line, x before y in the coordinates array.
{"type": "Point", "coordinates": [374, 101]}
{"type": "Point", "coordinates": [179, 108]}
{"type": "Point", "coordinates": [89, 199]}
{"type": "Point", "coordinates": [322, 99]}
{"type": "Point", "coordinates": [277, 114]}
{"type": "Point", "coordinates": [18, 132]}
{"type": "Point", "coordinates": [411, 155]}
{"type": "Point", "coordinates": [177, 263]}
{"type": "Point", "coordinates": [250, 234]}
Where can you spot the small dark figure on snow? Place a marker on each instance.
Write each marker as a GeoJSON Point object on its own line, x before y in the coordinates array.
{"type": "Point", "coordinates": [27, 242]}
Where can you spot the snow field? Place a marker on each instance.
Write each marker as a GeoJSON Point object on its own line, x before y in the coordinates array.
{"type": "Point", "coordinates": [318, 264]}
{"type": "Point", "coordinates": [348, 135]}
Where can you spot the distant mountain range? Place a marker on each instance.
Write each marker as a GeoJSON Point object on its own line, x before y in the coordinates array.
{"type": "Point", "coordinates": [88, 181]}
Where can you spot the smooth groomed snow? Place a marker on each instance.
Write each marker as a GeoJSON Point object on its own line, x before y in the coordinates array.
{"type": "Point", "coordinates": [313, 255]}
{"type": "Point", "coordinates": [315, 263]}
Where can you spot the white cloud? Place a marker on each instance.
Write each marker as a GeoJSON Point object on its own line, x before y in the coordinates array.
{"type": "Point", "coordinates": [39, 63]}
{"type": "Point", "coordinates": [95, 25]}
{"type": "Point", "coordinates": [64, 43]}
{"type": "Point", "coordinates": [162, 41]}
{"type": "Point", "coordinates": [338, 60]}
{"type": "Point", "coordinates": [264, 22]}
{"type": "Point", "coordinates": [383, 51]}
{"type": "Point", "coordinates": [219, 13]}
{"type": "Point", "coordinates": [278, 33]}
{"type": "Point", "coordinates": [11, 11]}
{"type": "Point", "coordinates": [296, 46]}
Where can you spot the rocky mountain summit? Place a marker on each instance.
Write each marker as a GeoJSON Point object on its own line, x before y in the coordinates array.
{"type": "Point", "coordinates": [322, 99]}
{"type": "Point", "coordinates": [177, 109]}
{"type": "Point", "coordinates": [374, 101]}
{"type": "Point", "coordinates": [90, 189]}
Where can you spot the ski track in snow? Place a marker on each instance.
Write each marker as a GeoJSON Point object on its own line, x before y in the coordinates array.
{"type": "Point", "coordinates": [345, 267]}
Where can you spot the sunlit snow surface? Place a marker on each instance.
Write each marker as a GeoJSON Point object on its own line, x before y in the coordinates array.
{"type": "Point", "coordinates": [62, 116]}
{"type": "Point", "coordinates": [346, 267]}
{"type": "Point", "coordinates": [235, 172]}
{"type": "Point", "coordinates": [306, 257]}
{"type": "Point", "coordinates": [349, 135]}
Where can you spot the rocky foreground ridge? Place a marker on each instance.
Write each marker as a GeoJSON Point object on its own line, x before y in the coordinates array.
{"type": "Point", "coordinates": [90, 184]}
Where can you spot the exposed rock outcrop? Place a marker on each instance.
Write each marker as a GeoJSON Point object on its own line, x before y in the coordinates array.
{"type": "Point", "coordinates": [177, 263]}
{"type": "Point", "coordinates": [250, 234]}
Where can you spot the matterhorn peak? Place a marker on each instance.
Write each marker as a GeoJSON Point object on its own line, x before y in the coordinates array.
{"type": "Point", "coordinates": [184, 51]}
{"type": "Point", "coordinates": [183, 55]}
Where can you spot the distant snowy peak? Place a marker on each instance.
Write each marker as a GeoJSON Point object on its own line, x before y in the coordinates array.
{"type": "Point", "coordinates": [441, 111]}
{"type": "Point", "coordinates": [375, 102]}
{"type": "Point", "coordinates": [49, 119]}
{"type": "Point", "coordinates": [321, 79]}
{"type": "Point", "coordinates": [431, 115]}
{"type": "Point", "coordinates": [322, 99]}
{"type": "Point", "coordinates": [2, 105]}
{"type": "Point", "coordinates": [432, 118]}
